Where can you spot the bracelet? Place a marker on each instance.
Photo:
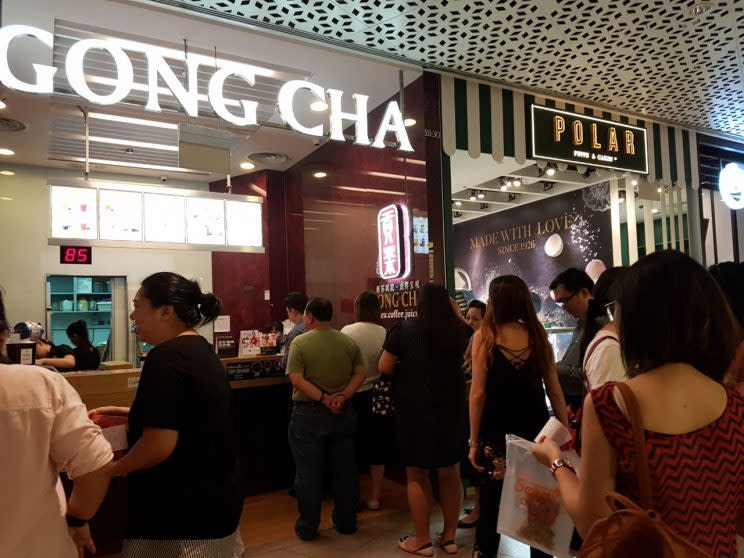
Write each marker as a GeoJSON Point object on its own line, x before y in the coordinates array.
{"type": "Point", "coordinates": [473, 443]}
{"type": "Point", "coordinates": [73, 521]}
{"type": "Point", "coordinates": [559, 464]}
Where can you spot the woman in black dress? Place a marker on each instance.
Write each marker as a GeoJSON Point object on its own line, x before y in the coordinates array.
{"type": "Point", "coordinates": [425, 356]}
{"type": "Point", "coordinates": [511, 360]}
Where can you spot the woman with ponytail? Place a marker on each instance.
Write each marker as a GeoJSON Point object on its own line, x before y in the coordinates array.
{"type": "Point", "coordinates": [600, 345]}
{"type": "Point", "coordinates": [184, 497]}
{"type": "Point", "coordinates": [86, 355]}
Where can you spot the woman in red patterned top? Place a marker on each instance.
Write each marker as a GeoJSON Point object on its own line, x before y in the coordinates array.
{"type": "Point", "coordinates": [678, 337]}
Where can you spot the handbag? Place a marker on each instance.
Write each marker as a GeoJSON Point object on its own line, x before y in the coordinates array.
{"type": "Point", "coordinates": [632, 529]}
{"type": "Point", "coordinates": [382, 397]}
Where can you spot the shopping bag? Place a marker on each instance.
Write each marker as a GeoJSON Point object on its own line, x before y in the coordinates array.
{"type": "Point", "coordinates": [531, 509]}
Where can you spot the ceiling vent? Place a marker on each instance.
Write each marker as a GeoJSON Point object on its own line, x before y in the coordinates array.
{"type": "Point", "coordinates": [10, 125]}
{"type": "Point", "coordinates": [264, 158]}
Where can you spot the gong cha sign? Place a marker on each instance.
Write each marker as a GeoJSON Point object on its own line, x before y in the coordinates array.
{"type": "Point", "coordinates": [394, 242]}
{"type": "Point", "coordinates": [188, 95]}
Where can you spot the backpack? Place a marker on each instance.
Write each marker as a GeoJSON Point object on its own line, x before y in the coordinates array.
{"type": "Point", "coordinates": [632, 530]}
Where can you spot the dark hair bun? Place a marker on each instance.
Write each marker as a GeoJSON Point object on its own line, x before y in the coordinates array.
{"type": "Point", "coordinates": [209, 306]}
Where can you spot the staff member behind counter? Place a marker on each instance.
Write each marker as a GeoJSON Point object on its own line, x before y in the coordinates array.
{"type": "Point", "coordinates": [83, 357]}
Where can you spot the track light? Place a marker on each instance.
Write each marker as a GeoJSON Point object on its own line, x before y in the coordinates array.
{"type": "Point", "coordinates": [634, 182]}
{"type": "Point", "coordinates": [654, 211]}
{"type": "Point", "coordinates": [512, 196]}
{"type": "Point", "coordinates": [457, 214]}
{"type": "Point", "coordinates": [484, 206]}
{"type": "Point", "coordinates": [508, 183]}
{"type": "Point", "coordinates": [481, 195]}
{"type": "Point", "coordinates": [472, 196]}
{"type": "Point", "coordinates": [547, 186]}
{"type": "Point", "coordinates": [504, 188]}
{"type": "Point", "coordinates": [516, 183]}
{"type": "Point", "coordinates": [458, 203]}
{"type": "Point", "coordinates": [551, 169]}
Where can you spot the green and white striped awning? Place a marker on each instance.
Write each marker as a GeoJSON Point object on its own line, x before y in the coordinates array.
{"type": "Point", "coordinates": [481, 118]}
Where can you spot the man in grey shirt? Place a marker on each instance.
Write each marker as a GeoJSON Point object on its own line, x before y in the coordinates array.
{"type": "Point", "coordinates": [572, 290]}
{"type": "Point", "coordinates": [295, 304]}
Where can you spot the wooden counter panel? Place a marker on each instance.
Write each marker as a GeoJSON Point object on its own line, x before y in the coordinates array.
{"type": "Point", "coordinates": [100, 388]}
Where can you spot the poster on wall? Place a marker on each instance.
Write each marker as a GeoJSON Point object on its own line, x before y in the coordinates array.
{"type": "Point", "coordinates": [164, 218]}
{"type": "Point", "coordinates": [120, 215]}
{"type": "Point", "coordinates": [74, 212]}
{"type": "Point", "coordinates": [244, 224]}
{"type": "Point", "coordinates": [536, 242]}
{"type": "Point", "coordinates": [420, 235]}
{"type": "Point", "coordinates": [205, 221]}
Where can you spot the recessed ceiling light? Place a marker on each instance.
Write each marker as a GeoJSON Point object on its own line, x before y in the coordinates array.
{"type": "Point", "coordinates": [408, 122]}
{"type": "Point", "coordinates": [654, 211]}
{"type": "Point", "coordinates": [634, 182]}
{"type": "Point", "coordinates": [320, 174]}
{"type": "Point", "coordinates": [319, 106]}
{"type": "Point", "coordinates": [700, 9]}
{"type": "Point", "coordinates": [6, 151]}
{"type": "Point", "coordinates": [7, 173]}
{"type": "Point", "coordinates": [458, 203]}
{"type": "Point", "coordinates": [472, 196]}
{"type": "Point", "coordinates": [481, 195]}
{"type": "Point", "coordinates": [551, 169]}
{"type": "Point", "coordinates": [3, 105]}
{"type": "Point", "coordinates": [659, 190]}
{"type": "Point", "coordinates": [516, 183]}
{"type": "Point", "coordinates": [6, 198]}
{"type": "Point", "coordinates": [246, 165]}
{"type": "Point", "coordinates": [504, 188]}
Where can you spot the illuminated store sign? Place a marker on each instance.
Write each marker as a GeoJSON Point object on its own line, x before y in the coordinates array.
{"type": "Point", "coordinates": [393, 241]}
{"type": "Point", "coordinates": [188, 95]}
{"type": "Point", "coordinates": [563, 136]}
{"type": "Point", "coordinates": [731, 186]}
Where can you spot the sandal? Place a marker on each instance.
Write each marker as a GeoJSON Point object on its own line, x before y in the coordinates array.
{"type": "Point", "coordinates": [424, 550]}
{"type": "Point", "coordinates": [450, 547]}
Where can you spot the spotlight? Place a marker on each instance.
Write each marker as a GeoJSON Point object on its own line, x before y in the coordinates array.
{"type": "Point", "coordinates": [6, 151]}
{"type": "Point", "coordinates": [319, 106]}
{"type": "Point", "coordinates": [504, 188]}
{"type": "Point", "coordinates": [408, 122]}
{"type": "Point", "coordinates": [551, 169]}
{"type": "Point", "coordinates": [516, 183]}
{"type": "Point", "coordinates": [320, 174]}
{"type": "Point", "coordinates": [458, 203]}
{"type": "Point", "coordinates": [659, 190]}
{"type": "Point", "coordinates": [481, 195]}
{"type": "Point", "coordinates": [508, 183]}
{"type": "Point", "coordinates": [634, 182]}
{"type": "Point", "coordinates": [472, 196]}
{"type": "Point", "coordinates": [654, 211]}
{"type": "Point", "coordinates": [247, 165]}
{"type": "Point", "coordinates": [7, 173]}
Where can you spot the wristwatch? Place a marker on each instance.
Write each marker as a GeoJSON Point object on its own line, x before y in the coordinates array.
{"type": "Point", "coordinates": [73, 521]}
{"type": "Point", "coordinates": [558, 464]}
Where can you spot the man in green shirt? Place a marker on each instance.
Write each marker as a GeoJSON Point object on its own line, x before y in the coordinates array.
{"type": "Point", "coordinates": [326, 369]}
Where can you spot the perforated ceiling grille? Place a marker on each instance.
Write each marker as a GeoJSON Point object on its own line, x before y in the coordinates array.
{"type": "Point", "coordinates": [644, 56]}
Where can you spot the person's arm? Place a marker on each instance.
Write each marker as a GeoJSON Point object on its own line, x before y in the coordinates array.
{"type": "Point", "coordinates": [477, 395]}
{"type": "Point", "coordinates": [110, 411]}
{"type": "Point", "coordinates": [63, 363]}
{"type": "Point", "coordinates": [387, 363]}
{"type": "Point", "coordinates": [555, 394]}
{"type": "Point", "coordinates": [88, 492]}
{"type": "Point", "coordinates": [584, 498]}
{"type": "Point", "coordinates": [155, 446]}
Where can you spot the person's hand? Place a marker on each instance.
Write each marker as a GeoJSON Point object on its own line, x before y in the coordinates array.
{"type": "Point", "coordinates": [40, 361]}
{"type": "Point", "coordinates": [110, 410]}
{"type": "Point", "coordinates": [334, 402]}
{"type": "Point", "coordinates": [82, 539]}
{"type": "Point", "coordinates": [473, 456]}
{"type": "Point", "coordinates": [546, 451]}
{"type": "Point", "coordinates": [457, 309]}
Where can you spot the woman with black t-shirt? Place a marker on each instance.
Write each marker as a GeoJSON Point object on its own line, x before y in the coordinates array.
{"type": "Point", "coordinates": [59, 356]}
{"type": "Point", "coordinates": [184, 497]}
{"type": "Point", "coordinates": [86, 356]}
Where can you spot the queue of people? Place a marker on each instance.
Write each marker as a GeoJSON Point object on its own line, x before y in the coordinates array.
{"type": "Point", "coordinates": [364, 397]}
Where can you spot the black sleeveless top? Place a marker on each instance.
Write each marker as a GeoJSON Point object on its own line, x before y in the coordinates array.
{"type": "Point", "coordinates": [515, 400]}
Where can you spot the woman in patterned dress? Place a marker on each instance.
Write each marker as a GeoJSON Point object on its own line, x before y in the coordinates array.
{"type": "Point", "coordinates": [678, 338]}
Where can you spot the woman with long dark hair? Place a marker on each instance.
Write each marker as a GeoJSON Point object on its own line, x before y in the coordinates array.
{"type": "Point", "coordinates": [600, 345]}
{"type": "Point", "coordinates": [184, 497]}
{"type": "Point", "coordinates": [86, 355]}
{"type": "Point", "coordinates": [425, 356]}
{"type": "Point", "coordinates": [678, 337]}
{"type": "Point", "coordinates": [512, 359]}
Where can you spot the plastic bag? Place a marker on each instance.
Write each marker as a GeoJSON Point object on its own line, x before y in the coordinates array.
{"type": "Point", "coordinates": [531, 508]}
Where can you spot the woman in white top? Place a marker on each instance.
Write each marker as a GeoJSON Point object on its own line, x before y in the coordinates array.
{"type": "Point", "coordinates": [45, 429]}
{"type": "Point", "coordinates": [600, 345]}
{"type": "Point", "coordinates": [374, 435]}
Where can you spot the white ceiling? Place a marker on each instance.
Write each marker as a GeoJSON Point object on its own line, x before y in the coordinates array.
{"type": "Point", "coordinates": [54, 126]}
{"type": "Point", "coordinates": [639, 56]}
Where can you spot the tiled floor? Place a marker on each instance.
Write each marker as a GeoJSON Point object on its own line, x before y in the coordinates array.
{"type": "Point", "coordinates": [267, 527]}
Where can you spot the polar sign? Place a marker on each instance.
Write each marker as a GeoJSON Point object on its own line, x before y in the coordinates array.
{"type": "Point", "coordinates": [563, 136]}
{"type": "Point", "coordinates": [393, 241]}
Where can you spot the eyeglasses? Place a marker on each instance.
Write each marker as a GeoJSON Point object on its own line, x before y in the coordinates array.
{"type": "Point", "coordinates": [610, 309]}
{"type": "Point", "coordinates": [563, 301]}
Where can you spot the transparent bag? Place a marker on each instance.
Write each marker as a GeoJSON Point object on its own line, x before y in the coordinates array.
{"type": "Point", "coordinates": [531, 509]}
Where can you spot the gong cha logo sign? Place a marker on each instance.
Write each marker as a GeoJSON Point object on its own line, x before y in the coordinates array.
{"type": "Point", "coordinates": [188, 94]}
{"type": "Point", "coordinates": [393, 242]}
{"type": "Point", "coordinates": [731, 186]}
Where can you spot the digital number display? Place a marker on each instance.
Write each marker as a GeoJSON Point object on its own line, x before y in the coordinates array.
{"type": "Point", "coordinates": [76, 255]}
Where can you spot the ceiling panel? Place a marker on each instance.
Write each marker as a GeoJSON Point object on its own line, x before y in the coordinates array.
{"type": "Point", "coordinates": [641, 56]}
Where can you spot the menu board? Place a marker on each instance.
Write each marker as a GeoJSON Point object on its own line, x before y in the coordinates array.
{"type": "Point", "coordinates": [73, 212]}
{"type": "Point", "coordinates": [421, 235]}
{"type": "Point", "coordinates": [244, 225]}
{"type": "Point", "coordinates": [120, 215]}
{"type": "Point", "coordinates": [164, 218]}
{"type": "Point", "coordinates": [205, 221]}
